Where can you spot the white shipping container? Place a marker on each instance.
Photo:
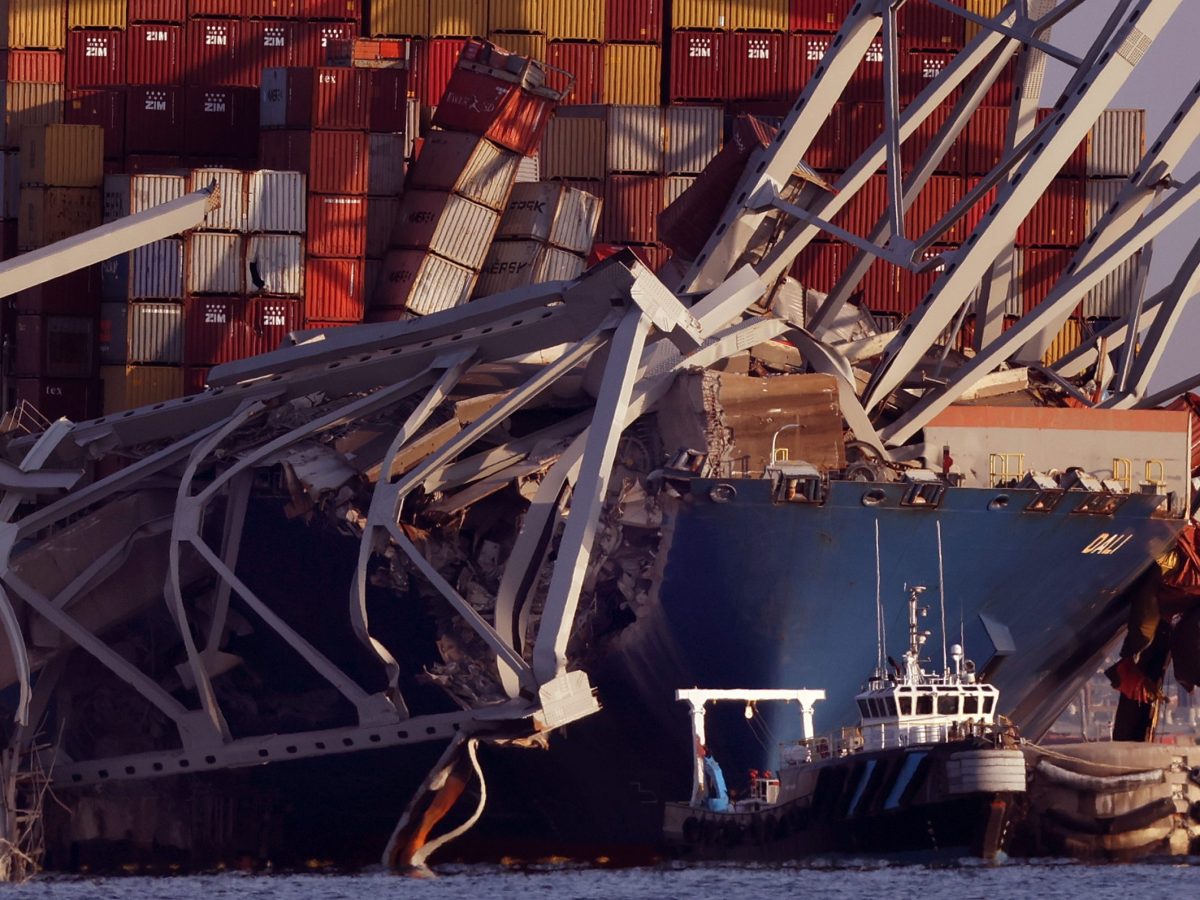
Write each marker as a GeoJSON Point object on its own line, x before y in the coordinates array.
{"type": "Point", "coordinates": [423, 282]}
{"type": "Point", "coordinates": [382, 213]}
{"type": "Point", "coordinates": [275, 264]}
{"type": "Point", "coordinates": [156, 271]}
{"type": "Point", "coordinates": [635, 139]}
{"type": "Point", "coordinates": [385, 164]}
{"type": "Point", "coordinates": [1117, 143]}
{"type": "Point", "coordinates": [466, 164]}
{"type": "Point", "coordinates": [412, 126]}
{"type": "Point", "coordinates": [577, 222]}
{"type": "Point", "coordinates": [273, 98]}
{"type": "Point", "coordinates": [275, 201]}
{"type": "Point", "coordinates": [231, 214]}
{"type": "Point", "coordinates": [550, 212]}
{"type": "Point", "coordinates": [451, 226]}
{"type": "Point", "coordinates": [574, 145]}
{"type": "Point", "coordinates": [514, 264]}
{"type": "Point", "coordinates": [1099, 196]}
{"type": "Point", "coordinates": [693, 137]}
{"type": "Point", "coordinates": [374, 271]}
{"type": "Point", "coordinates": [674, 186]}
{"type": "Point", "coordinates": [1116, 295]}
{"type": "Point", "coordinates": [529, 170]}
{"type": "Point", "coordinates": [125, 195]}
{"type": "Point", "coordinates": [155, 333]}
{"type": "Point", "coordinates": [214, 263]}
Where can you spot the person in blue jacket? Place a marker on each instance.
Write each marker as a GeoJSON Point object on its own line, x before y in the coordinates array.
{"type": "Point", "coordinates": [716, 794]}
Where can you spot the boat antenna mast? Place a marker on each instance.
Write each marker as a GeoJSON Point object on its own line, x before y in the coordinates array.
{"type": "Point", "coordinates": [916, 636]}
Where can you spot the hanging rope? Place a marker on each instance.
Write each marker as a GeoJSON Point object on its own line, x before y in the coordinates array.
{"type": "Point", "coordinates": [941, 593]}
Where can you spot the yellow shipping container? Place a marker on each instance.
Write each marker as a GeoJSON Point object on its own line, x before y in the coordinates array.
{"type": "Point", "coordinates": [128, 387]}
{"type": "Point", "coordinates": [96, 14]}
{"type": "Point", "coordinates": [575, 20]}
{"type": "Point", "coordinates": [531, 45]}
{"type": "Point", "coordinates": [49, 214]}
{"type": "Point", "coordinates": [632, 74]}
{"type": "Point", "coordinates": [40, 24]}
{"type": "Point", "coordinates": [458, 18]}
{"type": "Point", "coordinates": [517, 15]}
{"type": "Point", "coordinates": [709, 14]}
{"type": "Point", "coordinates": [762, 15]}
{"type": "Point", "coordinates": [399, 17]}
{"type": "Point", "coordinates": [1064, 342]}
{"type": "Point", "coordinates": [987, 8]}
{"type": "Point", "coordinates": [62, 155]}
{"type": "Point", "coordinates": [27, 104]}
{"type": "Point", "coordinates": [574, 147]}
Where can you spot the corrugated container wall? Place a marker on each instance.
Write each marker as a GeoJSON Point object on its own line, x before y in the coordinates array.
{"type": "Point", "coordinates": [274, 264]}
{"type": "Point", "coordinates": [466, 164]}
{"type": "Point", "coordinates": [51, 214]}
{"type": "Point", "coordinates": [30, 104]}
{"type": "Point", "coordinates": [39, 66]}
{"type": "Point", "coordinates": [333, 289]}
{"type": "Point", "coordinates": [215, 330]}
{"type": "Point", "coordinates": [334, 161]}
{"type": "Point", "coordinates": [530, 45]}
{"type": "Point", "coordinates": [63, 155]}
{"type": "Point", "coordinates": [631, 207]}
{"type": "Point", "coordinates": [214, 263]}
{"type": "Point", "coordinates": [552, 213]}
{"type": "Point", "coordinates": [635, 139]}
{"type": "Point", "coordinates": [989, 9]}
{"type": "Point", "coordinates": [575, 21]}
{"type": "Point", "coordinates": [128, 194]}
{"type": "Point", "coordinates": [693, 137]}
{"type": "Point", "coordinates": [104, 107]}
{"type": "Point", "coordinates": [382, 214]}
{"type": "Point", "coordinates": [156, 271]}
{"type": "Point", "coordinates": [337, 225]}
{"type": "Point", "coordinates": [1067, 339]}
{"type": "Point", "coordinates": [514, 264]}
{"type": "Point", "coordinates": [699, 14]}
{"type": "Point", "coordinates": [697, 65]}
{"type": "Point", "coordinates": [1117, 143]}
{"type": "Point", "coordinates": [575, 147]}
{"type": "Point", "coordinates": [585, 61]}
{"type": "Point", "coordinates": [95, 58]}
{"type": "Point", "coordinates": [1116, 295]}
{"type": "Point", "coordinates": [760, 15]}
{"type": "Point", "coordinates": [155, 333]}
{"type": "Point", "coordinates": [275, 201]}
{"type": "Point", "coordinates": [518, 15]}
{"type": "Point", "coordinates": [399, 17]}
{"type": "Point", "coordinates": [449, 225]}
{"type": "Point", "coordinates": [385, 164]}
{"type": "Point", "coordinates": [128, 387]}
{"type": "Point", "coordinates": [632, 73]}
{"type": "Point", "coordinates": [1100, 197]}
{"type": "Point", "coordinates": [674, 186]}
{"type": "Point", "coordinates": [96, 14]}
{"type": "Point", "coordinates": [754, 66]}
{"type": "Point", "coordinates": [231, 183]}
{"type": "Point", "coordinates": [37, 23]}
{"type": "Point", "coordinates": [458, 18]}
{"type": "Point", "coordinates": [633, 21]}
{"type": "Point", "coordinates": [423, 282]}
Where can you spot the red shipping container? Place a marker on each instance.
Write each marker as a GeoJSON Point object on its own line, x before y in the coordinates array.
{"type": "Point", "coordinates": [333, 289]}
{"type": "Point", "coordinates": [77, 399]}
{"type": "Point", "coordinates": [270, 320]}
{"type": "Point", "coordinates": [273, 9]}
{"type": "Point", "coordinates": [214, 7]}
{"type": "Point", "coordinates": [953, 163]}
{"type": "Point", "coordinates": [154, 119]}
{"type": "Point", "coordinates": [316, 39]}
{"type": "Point", "coordinates": [486, 102]}
{"type": "Point", "coordinates": [918, 69]}
{"type": "Point", "coordinates": [937, 198]}
{"type": "Point", "coordinates": [387, 107]}
{"type": "Point", "coordinates": [913, 286]}
{"type": "Point", "coordinates": [633, 21]}
{"type": "Point", "coordinates": [326, 98]}
{"type": "Point", "coordinates": [345, 10]}
{"type": "Point", "coordinates": [879, 288]}
{"type": "Point", "coordinates": [337, 225]}
{"type": "Point", "coordinates": [696, 65]}
{"type": "Point", "coordinates": [334, 161]}
{"type": "Point", "coordinates": [805, 52]}
{"type": "Point", "coordinates": [1001, 92]}
{"type": "Point", "coordinates": [37, 66]}
{"type": "Point", "coordinates": [923, 26]}
{"type": "Point", "coordinates": [1059, 217]}
{"type": "Point", "coordinates": [1076, 164]}
{"type": "Point", "coordinates": [195, 379]}
{"type": "Point", "coordinates": [437, 59]}
{"type": "Point", "coordinates": [985, 139]}
{"type": "Point", "coordinates": [271, 44]}
{"type": "Point", "coordinates": [158, 11]}
{"type": "Point", "coordinates": [632, 204]}
{"type": "Point", "coordinates": [864, 208]}
{"type": "Point", "coordinates": [95, 58]}
{"type": "Point", "coordinates": [74, 294]}
{"type": "Point", "coordinates": [215, 330]}
{"type": "Point", "coordinates": [585, 61]}
{"type": "Point", "coordinates": [819, 265]}
{"type": "Point", "coordinates": [100, 106]}
{"type": "Point", "coordinates": [754, 66]}
{"type": "Point", "coordinates": [818, 15]}
{"type": "Point", "coordinates": [155, 54]}
{"type": "Point", "coordinates": [977, 212]}
{"type": "Point", "coordinates": [220, 121]}
{"type": "Point", "coordinates": [862, 124]}
{"type": "Point", "coordinates": [1040, 271]}
{"type": "Point", "coordinates": [217, 54]}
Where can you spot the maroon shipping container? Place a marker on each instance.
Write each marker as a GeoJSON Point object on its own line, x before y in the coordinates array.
{"type": "Point", "coordinates": [215, 330]}
{"type": "Point", "coordinates": [923, 26]}
{"type": "Point", "coordinates": [76, 399]}
{"type": "Point", "coordinates": [1076, 164]}
{"type": "Point", "coordinates": [938, 197]}
{"type": "Point", "coordinates": [1001, 92]}
{"type": "Point", "coordinates": [95, 58]}
{"type": "Point", "coordinates": [55, 347]}
{"type": "Point", "coordinates": [316, 38]}
{"type": "Point", "coordinates": [217, 53]}
{"type": "Point", "coordinates": [75, 294]}
{"type": "Point", "coordinates": [754, 66]}
{"type": "Point", "coordinates": [1059, 217]}
{"type": "Point", "coordinates": [584, 60]}
{"type": "Point", "coordinates": [818, 15]}
{"type": "Point", "coordinates": [270, 320]}
{"type": "Point", "coordinates": [334, 161]}
{"type": "Point", "coordinates": [8, 239]}
{"type": "Point", "coordinates": [387, 101]}
{"type": "Point", "coordinates": [862, 124]}
{"type": "Point", "coordinates": [214, 7]}
{"type": "Point", "coordinates": [805, 52]}
{"type": "Point", "coordinates": [157, 11]}
{"type": "Point", "coordinates": [195, 380]}
{"type": "Point", "coordinates": [221, 121]}
{"type": "Point", "coordinates": [151, 163]}
{"type": "Point", "coordinates": [633, 21]}
{"type": "Point", "coordinates": [100, 106]}
{"type": "Point", "coordinates": [155, 54]}
{"type": "Point", "coordinates": [953, 163]}
{"type": "Point", "coordinates": [482, 101]}
{"type": "Point", "coordinates": [632, 204]}
{"type": "Point", "coordinates": [273, 9]}
{"type": "Point", "coordinates": [918, 68]}
{"type": "Point", "coordinates": [37, 66]}
{"type": "Point", "coordinates": [863, 210]}
{"type": "Point", "coordinates": [346, 10]}
{"type": "Point", "coordinates": [976, 213]}
{"type": "Point", "coordinates": [985, 135]}
{"type": "Point", "coordinates": [1040, 271]}
{"type": "Point", "coordinates": [820, 264]}
{"type": "Point", "coordinates": [154, 120]}
{"type": "Point", "coordinates": [337, 225]}
{"type": "Point", "coordinates": [696, 65]}
{"type": "Point", "coordinates": [325, 98]}
{"type": "Point", "coordinates": [913, 286]}
{"type": "Point", "coordinates": [333, 289]}
{"type": "Point", "coordinates": [272, 43]}
{"type": "Point", "coordinates": [879, 288]}
{"type": "Point", "coordinates": [438, 57]}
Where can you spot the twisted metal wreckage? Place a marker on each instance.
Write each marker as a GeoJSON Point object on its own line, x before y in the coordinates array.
{"type": "Point", "coordinates": [377, 428]}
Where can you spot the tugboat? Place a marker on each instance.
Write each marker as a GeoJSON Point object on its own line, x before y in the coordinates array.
{"type": "Point", "coordinates": [929, 774]}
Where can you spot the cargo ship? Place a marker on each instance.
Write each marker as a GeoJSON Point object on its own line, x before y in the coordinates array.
{"type": "Point", "coordinates": [729, 549]}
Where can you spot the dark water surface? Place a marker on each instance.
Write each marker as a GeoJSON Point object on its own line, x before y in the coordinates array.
{"type": "Point", "coordinates": [965, 882]}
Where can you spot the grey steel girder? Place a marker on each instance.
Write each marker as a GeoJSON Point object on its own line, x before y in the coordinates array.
{"type": "Point", "coordinates": [1071, 123]}
{"type": "Point", "coordinates": [1077, 361]}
